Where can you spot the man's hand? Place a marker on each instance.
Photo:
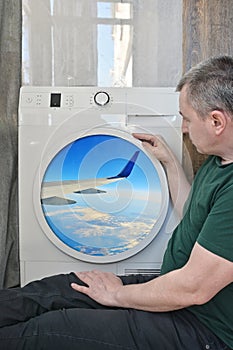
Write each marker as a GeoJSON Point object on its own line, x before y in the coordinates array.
{"type": "Point", "coordinates": [178, 183]}
{"type": "Point", "coordinates": [101, 286]}
{"type": "Point", "coordinates": [157, 146]}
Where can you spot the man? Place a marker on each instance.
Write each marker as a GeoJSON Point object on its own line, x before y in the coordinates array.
{"type": "Point", "coordinates": [190, 306]}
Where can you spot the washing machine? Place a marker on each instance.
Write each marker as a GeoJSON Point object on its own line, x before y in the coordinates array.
{"type": "Point", "coordinates": [90, 196]}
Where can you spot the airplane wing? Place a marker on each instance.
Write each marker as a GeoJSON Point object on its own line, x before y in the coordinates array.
{"type": "Point", "coordinates": [53, 192]}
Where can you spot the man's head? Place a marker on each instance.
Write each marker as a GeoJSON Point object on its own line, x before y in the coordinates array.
{"type": "Point", "coordinates": [209, 86]}
{"type": "Point", "coordinates": [206, 105]}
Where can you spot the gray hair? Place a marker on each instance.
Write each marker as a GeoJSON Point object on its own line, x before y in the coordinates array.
{"type": "Point", "coordinates": [210, 86]}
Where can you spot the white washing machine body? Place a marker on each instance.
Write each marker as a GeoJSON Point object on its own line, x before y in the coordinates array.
{"type": "Point", "coordinates": [90, 196]}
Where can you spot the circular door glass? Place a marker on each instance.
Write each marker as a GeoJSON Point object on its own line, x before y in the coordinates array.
{"type": "Point", "coordinates": [103, 197]}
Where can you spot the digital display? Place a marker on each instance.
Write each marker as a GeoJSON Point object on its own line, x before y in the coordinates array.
{"type": "Point", "coordinates": [55, 100]}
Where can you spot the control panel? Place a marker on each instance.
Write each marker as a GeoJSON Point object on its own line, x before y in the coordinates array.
{"type": "Point", "coordinates": [109, 99]}
{"type": "Point", "coordinates": [65, 100]}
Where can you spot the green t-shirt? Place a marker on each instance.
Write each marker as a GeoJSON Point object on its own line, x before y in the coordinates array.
{"type": "Point", "coordinates": [208, 220]}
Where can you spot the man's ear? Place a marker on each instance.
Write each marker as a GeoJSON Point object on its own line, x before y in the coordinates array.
{"type": "Point", "coordinates": [218, 121]}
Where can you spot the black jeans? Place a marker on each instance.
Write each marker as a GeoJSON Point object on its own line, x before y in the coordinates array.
{"type": "Point", "coordinates": [49, 314]}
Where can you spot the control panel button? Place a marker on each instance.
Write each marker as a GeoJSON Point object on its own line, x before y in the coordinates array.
{"type": "Point", "coordinates": [101, 98]}
{"type": "Point", "coordinates": [69, 100]}
{"type": "Point", "coordinates": [28, 100]}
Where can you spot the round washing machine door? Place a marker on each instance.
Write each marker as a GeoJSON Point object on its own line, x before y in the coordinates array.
{"type": "Point", "coordinates": [102, 198]}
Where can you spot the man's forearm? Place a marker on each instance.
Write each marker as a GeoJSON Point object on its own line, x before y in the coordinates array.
{"type": "Point", "coordinates": [178, 185]}
{"type": "Point", "coordinates": [165, 293]}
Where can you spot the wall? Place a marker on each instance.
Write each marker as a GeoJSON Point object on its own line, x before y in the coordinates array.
{"type": "Point", "coordinates": [207, 31]}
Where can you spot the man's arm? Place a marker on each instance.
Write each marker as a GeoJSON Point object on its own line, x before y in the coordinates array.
{"type": "Point", "coordinates": [177, 181]}
{"type": "Point", "coordinates": [204, 275]}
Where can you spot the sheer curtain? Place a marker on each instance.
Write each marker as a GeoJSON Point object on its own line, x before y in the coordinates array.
{"type": "Point", "coordinates": [59, 42]}
{"type": "Point", "coordinates": [102, 42]}
{"type": "Point", "coordinates": [10, 79]}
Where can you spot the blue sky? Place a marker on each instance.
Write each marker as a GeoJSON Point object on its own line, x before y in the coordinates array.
{"type": "Point", "coordinates": [101, 156]}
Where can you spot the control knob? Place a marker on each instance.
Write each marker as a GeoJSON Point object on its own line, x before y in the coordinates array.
{"type": "Point", "coordinates": [101, 98]}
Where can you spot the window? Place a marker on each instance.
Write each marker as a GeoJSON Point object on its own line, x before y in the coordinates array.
{"type": "Point", "coordinates": [104, 43]}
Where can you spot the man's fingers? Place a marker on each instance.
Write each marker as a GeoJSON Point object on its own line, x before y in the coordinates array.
{"type": "Point", "coordinates": [78, 288]}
